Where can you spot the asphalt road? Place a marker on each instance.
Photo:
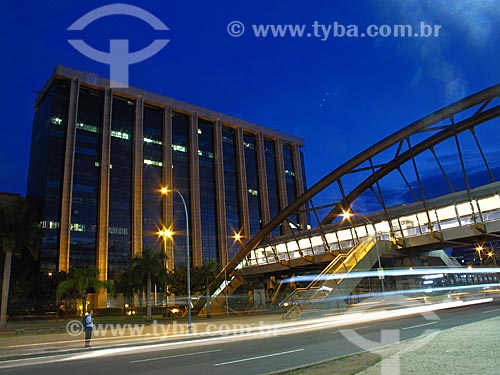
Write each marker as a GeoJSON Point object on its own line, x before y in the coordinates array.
{"type": "Point", "coordinates": [256, 354]}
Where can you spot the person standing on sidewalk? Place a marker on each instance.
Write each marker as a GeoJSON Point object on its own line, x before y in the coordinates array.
{"type": "Point", "coordinates": [88, 326]}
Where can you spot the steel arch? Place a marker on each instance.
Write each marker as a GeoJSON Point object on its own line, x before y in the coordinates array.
{"type": "Point", "coordinates": [428, 123]}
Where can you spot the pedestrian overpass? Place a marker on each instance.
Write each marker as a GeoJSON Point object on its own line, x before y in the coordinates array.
{"type": "Point", "coordinates": [431, 185]}
{"type": "Point", "coordinates": [448, 221]}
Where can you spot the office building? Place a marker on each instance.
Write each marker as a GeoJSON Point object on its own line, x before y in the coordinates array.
{"type": "Point", "coordinates": [100, 156]}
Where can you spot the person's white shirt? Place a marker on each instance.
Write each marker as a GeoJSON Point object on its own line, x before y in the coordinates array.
{"type": "Point", "coordinates": [89, 322]}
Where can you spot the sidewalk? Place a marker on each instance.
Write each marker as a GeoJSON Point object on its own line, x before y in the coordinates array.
{"type": "Point", "coordinates": [50, 338]}
{"type": "Point", "coordinates": [465, 350]}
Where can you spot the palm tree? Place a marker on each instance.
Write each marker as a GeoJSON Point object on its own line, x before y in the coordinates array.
{"type": "Point", "coordinates": [205, 274]}
{"type": "Point", "coordinates": [130, 282]}
{"type": "Point", "coordinates": [177, 281]}
{"type": "Point", "coordinates": [81, 281]}
{"type": "Point", "coordinates": [19, 231]}
{"type": "Point", "coordinates": [150, 267]}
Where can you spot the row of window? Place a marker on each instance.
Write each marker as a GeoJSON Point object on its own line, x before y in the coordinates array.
{"type": "Point", "coordinates": [87, 177]}
{"type": "Point", "coordinates": [123, 135]}
{"type": "Point", "coordinates": [75, 227]}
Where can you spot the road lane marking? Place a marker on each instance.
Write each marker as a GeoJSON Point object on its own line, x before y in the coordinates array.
{"type": "Point", "coordinates": [258, 357]}
{"type": "Point", "coordinates": [362, 327]}
{"type": "Point", "coordinates": [354, 329]}
{"type": "Point", "coordinates": [489, 311]}
{"type": "Point", "coordinates": [420, 325]}
{"type": "Point", "coordinates": [175, 356]}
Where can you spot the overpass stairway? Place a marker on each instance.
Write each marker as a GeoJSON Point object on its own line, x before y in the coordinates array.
{"type": "Point", "coordinates": [327, 291]}
{"type": "Point", "coordinates": [219, 297]}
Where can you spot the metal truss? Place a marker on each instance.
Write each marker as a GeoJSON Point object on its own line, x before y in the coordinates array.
{"type": "Point", "coordinates": [374, 164]}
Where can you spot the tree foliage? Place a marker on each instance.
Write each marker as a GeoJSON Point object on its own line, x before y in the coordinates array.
{"type": "Point", "coordinates": [20, 233]}
{"type": "Point", "coordinates": [150, 268]}
{"type": "Point", "coordinates": [80, 282]}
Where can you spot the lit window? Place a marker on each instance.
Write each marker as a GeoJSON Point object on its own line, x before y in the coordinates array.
{"type": "Point", "coordinates": [77, 227]}
{"type": "Point", "coordinates": [87, 127]}
{"type": "Point", "coordinates": [56, 120]}
{"type": "Point", "coordinates": [289, 173]}
{"type": "Point", "coordinates": [253, 192]}
{"type": "Point", "coordinates": [49, 224]}
{"type": "Point", "coordinates": [154, 141]}
{"type": "Point", "coordinates": [97, 164]}
{"type": "Point", "coordinates": [118, 230]}
{"type": "Point", "coordinates": [118, 134]}
{"type": "Point", "coordinates": [179, 148]}
{"type": "Point", "coordinates": [153, 162]}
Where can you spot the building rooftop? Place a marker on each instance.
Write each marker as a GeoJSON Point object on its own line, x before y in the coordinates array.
{"type": "Point", "coordinates": [93, 80]}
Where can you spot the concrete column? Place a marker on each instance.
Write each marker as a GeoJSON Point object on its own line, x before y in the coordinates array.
{"type": "Point", "coordinates": [67, 183]}
{"type": "Point", "coordinates": [263, 193]}
{"type": "Point", "coordinates": [299, 178]}
{"type": "Point", "coordinates": [167, 180]}
{"type": "Point", "coordinates": [195, 214]}
{"type": "Point", "coordinates": [280, 171]}
{"type": "Point", "coordinates": [103, 208]}
{"type": "Point", "coordinates": [242, 182]}
{"type": "Point", "coordinates": [137, 166]}
{"type": "Point", "coordinates": [220, 194]}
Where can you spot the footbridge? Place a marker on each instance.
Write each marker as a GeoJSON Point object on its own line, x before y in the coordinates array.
{"type": "Point", "coordinates": [429, 186]}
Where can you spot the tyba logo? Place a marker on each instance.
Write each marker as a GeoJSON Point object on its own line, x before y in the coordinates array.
{"type": "Point", "coordinates": [119, 57]}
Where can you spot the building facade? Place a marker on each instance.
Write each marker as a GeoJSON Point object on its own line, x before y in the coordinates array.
{"type": "Point", "coordinates": [99, 157]}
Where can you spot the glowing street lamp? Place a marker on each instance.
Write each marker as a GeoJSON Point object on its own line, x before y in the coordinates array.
{"type": "Point", "coordinates": [164, 191]}
{"type": "Point", "coordinates": [165, 233]}
{"type": "Point", "coordinates": [237, 236]}
{"type": "Point", "coordinates": [490, 253]}
{"type": "Point", "coordinates": [346, 215]}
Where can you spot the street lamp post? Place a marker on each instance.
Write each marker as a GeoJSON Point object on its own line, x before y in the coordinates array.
{"type": "Point", "coordinates": [237, 238]}
{"type": "Point", "coordinates": [164, 191]}
{"type": "Point", "coordinates": [382, 282]}
{"type": "Point", "coordinates": [492, 254]}
{"type": "Point", "coordinates": [227, 284]}
{"type": "Point", "coordinates": [479, 250]}
{"type": "Point", "coordinates": [346, 215]}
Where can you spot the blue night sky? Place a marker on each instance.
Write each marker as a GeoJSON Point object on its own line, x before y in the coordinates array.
{"type": "Point", "coordinates": [341, 94]}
